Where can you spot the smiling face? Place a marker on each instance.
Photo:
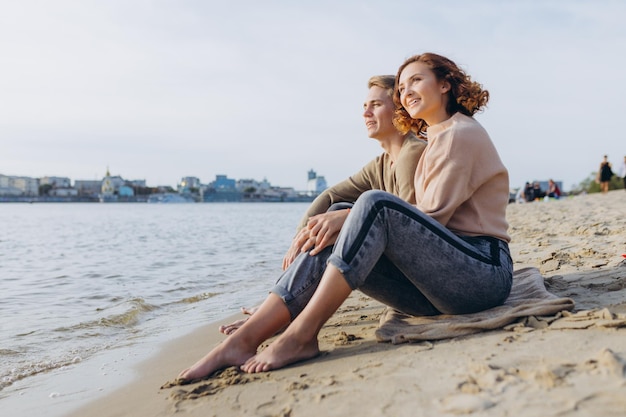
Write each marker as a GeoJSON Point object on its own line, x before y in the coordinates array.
{"type": "Point", "coordinates": [422, 95]}
{"type": "Point", "coordinates": [378, 112]}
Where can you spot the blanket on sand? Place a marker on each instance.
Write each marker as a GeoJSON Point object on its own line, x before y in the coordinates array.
{"type": "Point", "coordinates": [528, 297]}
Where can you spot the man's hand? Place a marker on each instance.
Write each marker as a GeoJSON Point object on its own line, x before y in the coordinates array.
{"type": "Point", "coordinates": [295, 249]}
{"type": "Point", "coordinates": [320, 232]}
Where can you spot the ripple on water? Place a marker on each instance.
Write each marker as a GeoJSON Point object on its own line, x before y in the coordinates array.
{"type": "Point", "coordinates": [82, 278]}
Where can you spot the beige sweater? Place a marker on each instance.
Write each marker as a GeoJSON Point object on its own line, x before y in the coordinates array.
{"type": "Point", "coordinates": [379, 174]}
{"type": "Point", "coordinates": [460, 180]}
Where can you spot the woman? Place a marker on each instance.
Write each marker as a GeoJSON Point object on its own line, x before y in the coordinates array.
{"type": "Point", "coordinates": [446, 254]}
{"type": "Point", "coordinates": [553, 189]}
{"type": "Point", "coordinates": [605, 173]}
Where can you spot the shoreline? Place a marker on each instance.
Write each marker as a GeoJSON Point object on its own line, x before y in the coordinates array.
{"type": "Point", "coordinates": [577, 244]}
{"type": "Point", "coordinates": [173, 356]}
{"type": "Point", "coordinates": [169, 359]}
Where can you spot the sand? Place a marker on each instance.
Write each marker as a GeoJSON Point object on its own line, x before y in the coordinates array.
{"type": "Point", "coordinates": [521, 370]}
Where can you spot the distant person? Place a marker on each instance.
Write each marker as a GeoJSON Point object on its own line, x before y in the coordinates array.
{"type": "Point", "coordinates": [538, 193]}
{"type": "Point", "coordinates": [622, 172]}
{"type": "Point", "coordinates": [519, 196]}
{"type": "Point", "coordinates": [446, 254]}
{"type": "Point", "coordinates": [605, 173]}
{"type": "Point", "coordinates": [393, 171]}
{"type": "Point", "coordinates": [528, 192]}
{"type": "Point", "coordinates": [553, 190]}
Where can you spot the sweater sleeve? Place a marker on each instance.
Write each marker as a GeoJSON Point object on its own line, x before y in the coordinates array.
{"type": "Point", "coordinates": [346, 191]}
{"type": "Point", "coordinates": [446, 182]}
{"type": "Point", "coordinates": [459, 173]}
{"type": "Point", "coordinates": [404, 173]}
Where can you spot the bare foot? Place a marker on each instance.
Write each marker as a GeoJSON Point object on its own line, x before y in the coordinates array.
{"type": "Point", "coordinates": [232, 327]}
{"type": "Point", "coordinates": [222, 356]}
{"type": "Point", "coordinates": [285, 350]}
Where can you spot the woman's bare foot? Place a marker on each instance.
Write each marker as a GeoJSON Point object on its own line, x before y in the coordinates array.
{"type": "Point", "coordinates": [285, 350]}
{"type": "Point", "coordinates": [236, 349]}
{"type": "Point", "coordinates": [232, 327]}
{"type": "Point", "coordinates": [223, 355]}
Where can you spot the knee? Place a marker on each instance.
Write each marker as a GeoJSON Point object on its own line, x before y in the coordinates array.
{"type": "Point", "coordinates": [340, 206]}
{"type": "Point", "coordinates": [374, 196]}
{"type": "Point", "coordinates": [375, 200]}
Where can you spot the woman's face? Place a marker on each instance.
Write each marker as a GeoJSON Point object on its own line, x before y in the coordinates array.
{"type": "Point", "coordinates": [422, 95]}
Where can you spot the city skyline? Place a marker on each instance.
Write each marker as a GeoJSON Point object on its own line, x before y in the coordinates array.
{"type": "Point", "coordinates": [148, 184]}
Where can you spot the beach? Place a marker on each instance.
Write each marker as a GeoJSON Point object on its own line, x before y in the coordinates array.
{"type": "Point", "coordinates": [571, 363]}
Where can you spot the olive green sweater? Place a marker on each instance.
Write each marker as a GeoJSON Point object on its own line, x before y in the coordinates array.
{"type": "Point", "coordinates": [379, 174]}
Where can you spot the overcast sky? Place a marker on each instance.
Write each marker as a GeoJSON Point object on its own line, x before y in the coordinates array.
{"type": "Point", "coordinates": [159, 90]}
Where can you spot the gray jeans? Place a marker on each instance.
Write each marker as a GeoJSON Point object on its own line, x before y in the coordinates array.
{"type": "Point", "coordinates": [401, 257]}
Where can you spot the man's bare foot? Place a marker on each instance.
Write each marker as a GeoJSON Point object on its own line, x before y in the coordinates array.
{"type": "Point", "coordinates": [285, 350]}
{"type": "Point", "coordinates": [232, 327]}
{"type": "Point", "coordinates": [222, 356]}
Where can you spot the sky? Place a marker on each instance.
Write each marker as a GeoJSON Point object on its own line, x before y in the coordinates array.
{"type": "Point", "coordinates": [163, 89]}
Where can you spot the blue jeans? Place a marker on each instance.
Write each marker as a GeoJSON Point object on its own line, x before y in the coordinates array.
{"type": "Point", "coordinates": [403, 258]}
{"type": "Point", "coordinates": [300, 280]}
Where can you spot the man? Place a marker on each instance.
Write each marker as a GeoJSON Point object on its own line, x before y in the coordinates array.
{"type": "Point", "coordinates": [392, 171]}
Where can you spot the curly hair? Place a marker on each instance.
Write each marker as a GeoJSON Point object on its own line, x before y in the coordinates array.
{"type": "Point", "coordinates": [465, 96]}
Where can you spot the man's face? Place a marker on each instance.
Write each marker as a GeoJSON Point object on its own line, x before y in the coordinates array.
{"type": "Point", "coordinates": [378, 112]}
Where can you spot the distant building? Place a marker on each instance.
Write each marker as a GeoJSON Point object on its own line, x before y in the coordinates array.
{"type": "Point", "coordinates": [222, 182]}
{"type": "Point", "coordinates": [125, 191]}
{"type": "Point", "coordinates": [188, 185]}
{"type": "Point", "coordinates": [247, 185]}
{"type": "Point", "coordinates": [136, 183]}
{"type": "Point", "coordinates": [223, 189]}
{"type": "Point", "coordinates": [56, 182]}
{"type": "Point", "coordinates": [316, 184]}
{"type": "Point", "coordinates": [114, 187]}
{"type": "Point", "coordinates": [19, 186]}
{"type": "Point", "coordinates": [109, 187]}
{"type": "Point", "coordinates": [89, 188]}
{"type": "Point", "coordinates": [63, 192]}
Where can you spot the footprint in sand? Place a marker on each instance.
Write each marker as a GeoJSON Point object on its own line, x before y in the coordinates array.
{"type": "Point", "coordinates": [216, 383]}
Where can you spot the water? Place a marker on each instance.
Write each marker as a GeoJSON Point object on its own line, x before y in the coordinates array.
{"type": "Point", "coordinates": [80, 280]}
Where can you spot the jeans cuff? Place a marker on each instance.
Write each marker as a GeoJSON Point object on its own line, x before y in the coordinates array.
{"type": "Point", "coordinates": [344, 268]}
{"type": "Point", "coordinates": [287, 299]}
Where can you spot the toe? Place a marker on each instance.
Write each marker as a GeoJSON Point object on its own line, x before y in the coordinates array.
{"type": "Point", "coordinates": [183, 374]}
